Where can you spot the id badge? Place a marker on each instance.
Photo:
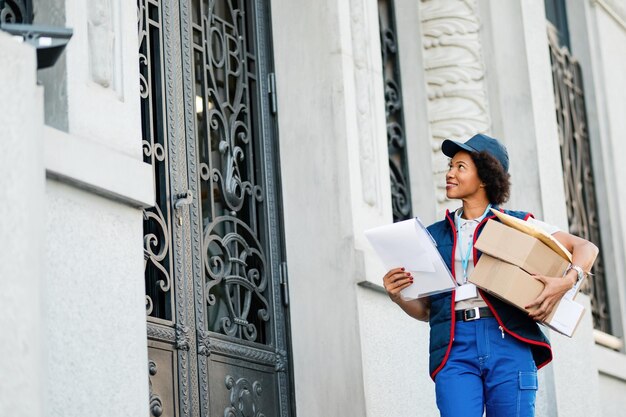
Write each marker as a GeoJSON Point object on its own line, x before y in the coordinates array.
{"type": "Point", "coordinates": [465, 292]}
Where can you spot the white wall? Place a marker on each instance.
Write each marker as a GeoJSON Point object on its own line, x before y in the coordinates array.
{"type": "Point", "coordinates": [611, 38]}
{"type": "Point", "coordinates": [395, 359]}
{"type": "Point", "coordinates": [312, 85]}
{"type": "Point", "coordinates": [612, 396]}
{"type": "Point", "coordinates": [22, 214]}
{"type": "Point", "coordinates": [611, 41]}
{"type": "Point", "coordinates": [94, 306]}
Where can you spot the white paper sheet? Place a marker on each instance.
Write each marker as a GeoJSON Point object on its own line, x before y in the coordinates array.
{"type": "Point", "coordinates": [408, 244]}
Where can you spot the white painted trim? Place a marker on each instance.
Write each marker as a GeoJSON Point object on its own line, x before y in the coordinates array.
{"type": "Point", "coordinates": [91, 166]}
{"type": "Point", "coordinates": [614, 12]}
{"type": "Point", "coordinates": [608, 340]}
{"type": "Point", "coordinates": [610, 363]}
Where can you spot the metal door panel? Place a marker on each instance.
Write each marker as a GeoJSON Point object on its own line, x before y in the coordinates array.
{"type": "Point", "coordinates": [212, 245]}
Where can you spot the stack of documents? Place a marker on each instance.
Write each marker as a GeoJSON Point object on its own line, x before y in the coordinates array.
{"type": "Point", "coordinates": [408, 244]}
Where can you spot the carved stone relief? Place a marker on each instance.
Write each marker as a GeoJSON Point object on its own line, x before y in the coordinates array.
{"type": "Point", "coordinates": [101, 35]}
{"type": "Point", "coordinates": [364, 93]}
{"type": "Point", "coordinates": [455, 76]}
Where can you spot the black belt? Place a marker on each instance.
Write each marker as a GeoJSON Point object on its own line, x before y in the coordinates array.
{"type": "Point", "coordinates": [473, 314]}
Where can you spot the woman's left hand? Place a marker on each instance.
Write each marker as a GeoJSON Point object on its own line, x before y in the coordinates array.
{"type": "Point", "coordinates": [555, 288]}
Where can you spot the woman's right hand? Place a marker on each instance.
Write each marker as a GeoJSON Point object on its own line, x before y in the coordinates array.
{"type": "Point", "coordinates": [395, 281]}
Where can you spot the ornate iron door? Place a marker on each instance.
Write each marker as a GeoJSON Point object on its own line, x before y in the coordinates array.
{"type": "Point", "coordinates": [217, 325]}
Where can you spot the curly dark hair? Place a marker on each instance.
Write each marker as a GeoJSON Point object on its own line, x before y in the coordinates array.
{"type": "Point", "coordinates": [492, 174]}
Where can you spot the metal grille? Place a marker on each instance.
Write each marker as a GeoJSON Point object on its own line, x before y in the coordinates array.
{"type": "Point", "coordinates": [216, 325]}
{"type": "Point", "coordinates": [235, 262]}
{"type": "Point", "coordinates": [580, 192]}
{"type": "Point", "coordinates": [16, 11]}
{"type": "Point", "coordinates": [157, 220]}
{"type": "Point", "coordinates": [396, 142]}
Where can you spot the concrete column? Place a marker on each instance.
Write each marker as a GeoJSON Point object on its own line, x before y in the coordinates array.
{"type": "Point", "coordinates": [22, 214]}
{"type": "Point", "coordinates": [335, 184]}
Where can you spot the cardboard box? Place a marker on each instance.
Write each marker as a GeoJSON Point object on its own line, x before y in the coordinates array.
{"type": "Point", "coordinates": [504, 270]}
{"type": "Point", "coordinates": [512, 284]}
{"type": "Point", "coordinates": [517, 248]}
{"type": "Point", "coordinates": [506, 281]}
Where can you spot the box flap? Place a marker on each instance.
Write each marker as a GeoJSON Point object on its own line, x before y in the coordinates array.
{"type": "Point", "coordinates": [520, 249]}
{"type": "Point", "coordinates": [531, 230]}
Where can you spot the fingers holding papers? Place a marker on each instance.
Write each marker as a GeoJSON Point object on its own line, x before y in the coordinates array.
{"type": "Point", "coordinates": [395, 281]}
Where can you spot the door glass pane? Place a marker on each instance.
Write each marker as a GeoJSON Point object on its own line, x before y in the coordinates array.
{"type": "Point", "coordinates": [235, 267]}
{"type": "Point", "coordinates": [157, 220]}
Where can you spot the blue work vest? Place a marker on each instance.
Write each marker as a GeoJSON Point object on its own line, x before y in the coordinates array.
{"type": "Point", "coordinates": [515, 322]}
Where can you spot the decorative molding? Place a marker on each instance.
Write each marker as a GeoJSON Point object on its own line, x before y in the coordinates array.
{"type": "Point", "coordinates": [212, 345]}
{"type": "Point", "coordinates": [98, 169]}
{"type": "Point", "coordinates": [281, 360]}
{"type": "Point", "coordinates": [183, 340]}
{"type": "Point", "coordinates": [101, 35]}
{"type": "Point", "coordinates": [160, 333]}
{"type": "Point", "coordinates": [455, 76]}
{"type": "Point", "coordinates": [204, 343]}
{"type": "Point", "coordinates": [365, 99]}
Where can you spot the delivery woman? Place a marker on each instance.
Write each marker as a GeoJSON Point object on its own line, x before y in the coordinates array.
{"type": "Point", "coordinates": [484, 353]}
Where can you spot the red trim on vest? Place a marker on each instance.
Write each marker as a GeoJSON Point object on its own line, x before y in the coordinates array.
{"type": "Point", "coordinates": [453, 316]}
{"type": "Point", "coordinates": [474, 251]}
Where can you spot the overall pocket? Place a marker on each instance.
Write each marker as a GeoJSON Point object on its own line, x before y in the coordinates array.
{"type": "Point", "coordinates": [527, 393]}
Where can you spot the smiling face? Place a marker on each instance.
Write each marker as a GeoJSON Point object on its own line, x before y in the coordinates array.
{"type": "Point", "coordinates": [462, 181]}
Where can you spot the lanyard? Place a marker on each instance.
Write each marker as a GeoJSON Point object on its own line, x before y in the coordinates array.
{"type": "Point", "coordinates": [470, 244]}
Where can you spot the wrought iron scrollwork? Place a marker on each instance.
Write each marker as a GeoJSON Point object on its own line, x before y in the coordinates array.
{"type": "Point", "coordinates": [235, 261]}
{"type": "Point", "coordinates": [157, 220]}
{"type": "Point", "coordinates": [232, 197]}
{"type": "Point", "coordinates": [156, 404]}
{"type": "Point", "coordinates": [16, 11]}
{"type": "Point", "coordinates": [578, 177]}
{"type": "Point", "coordinates": [244, 398]}
{"type": "Point", "coordinates": [398, 163]}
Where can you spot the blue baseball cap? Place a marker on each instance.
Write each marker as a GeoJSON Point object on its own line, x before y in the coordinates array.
{"type": "Point", "coordinates": [478, 143]}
